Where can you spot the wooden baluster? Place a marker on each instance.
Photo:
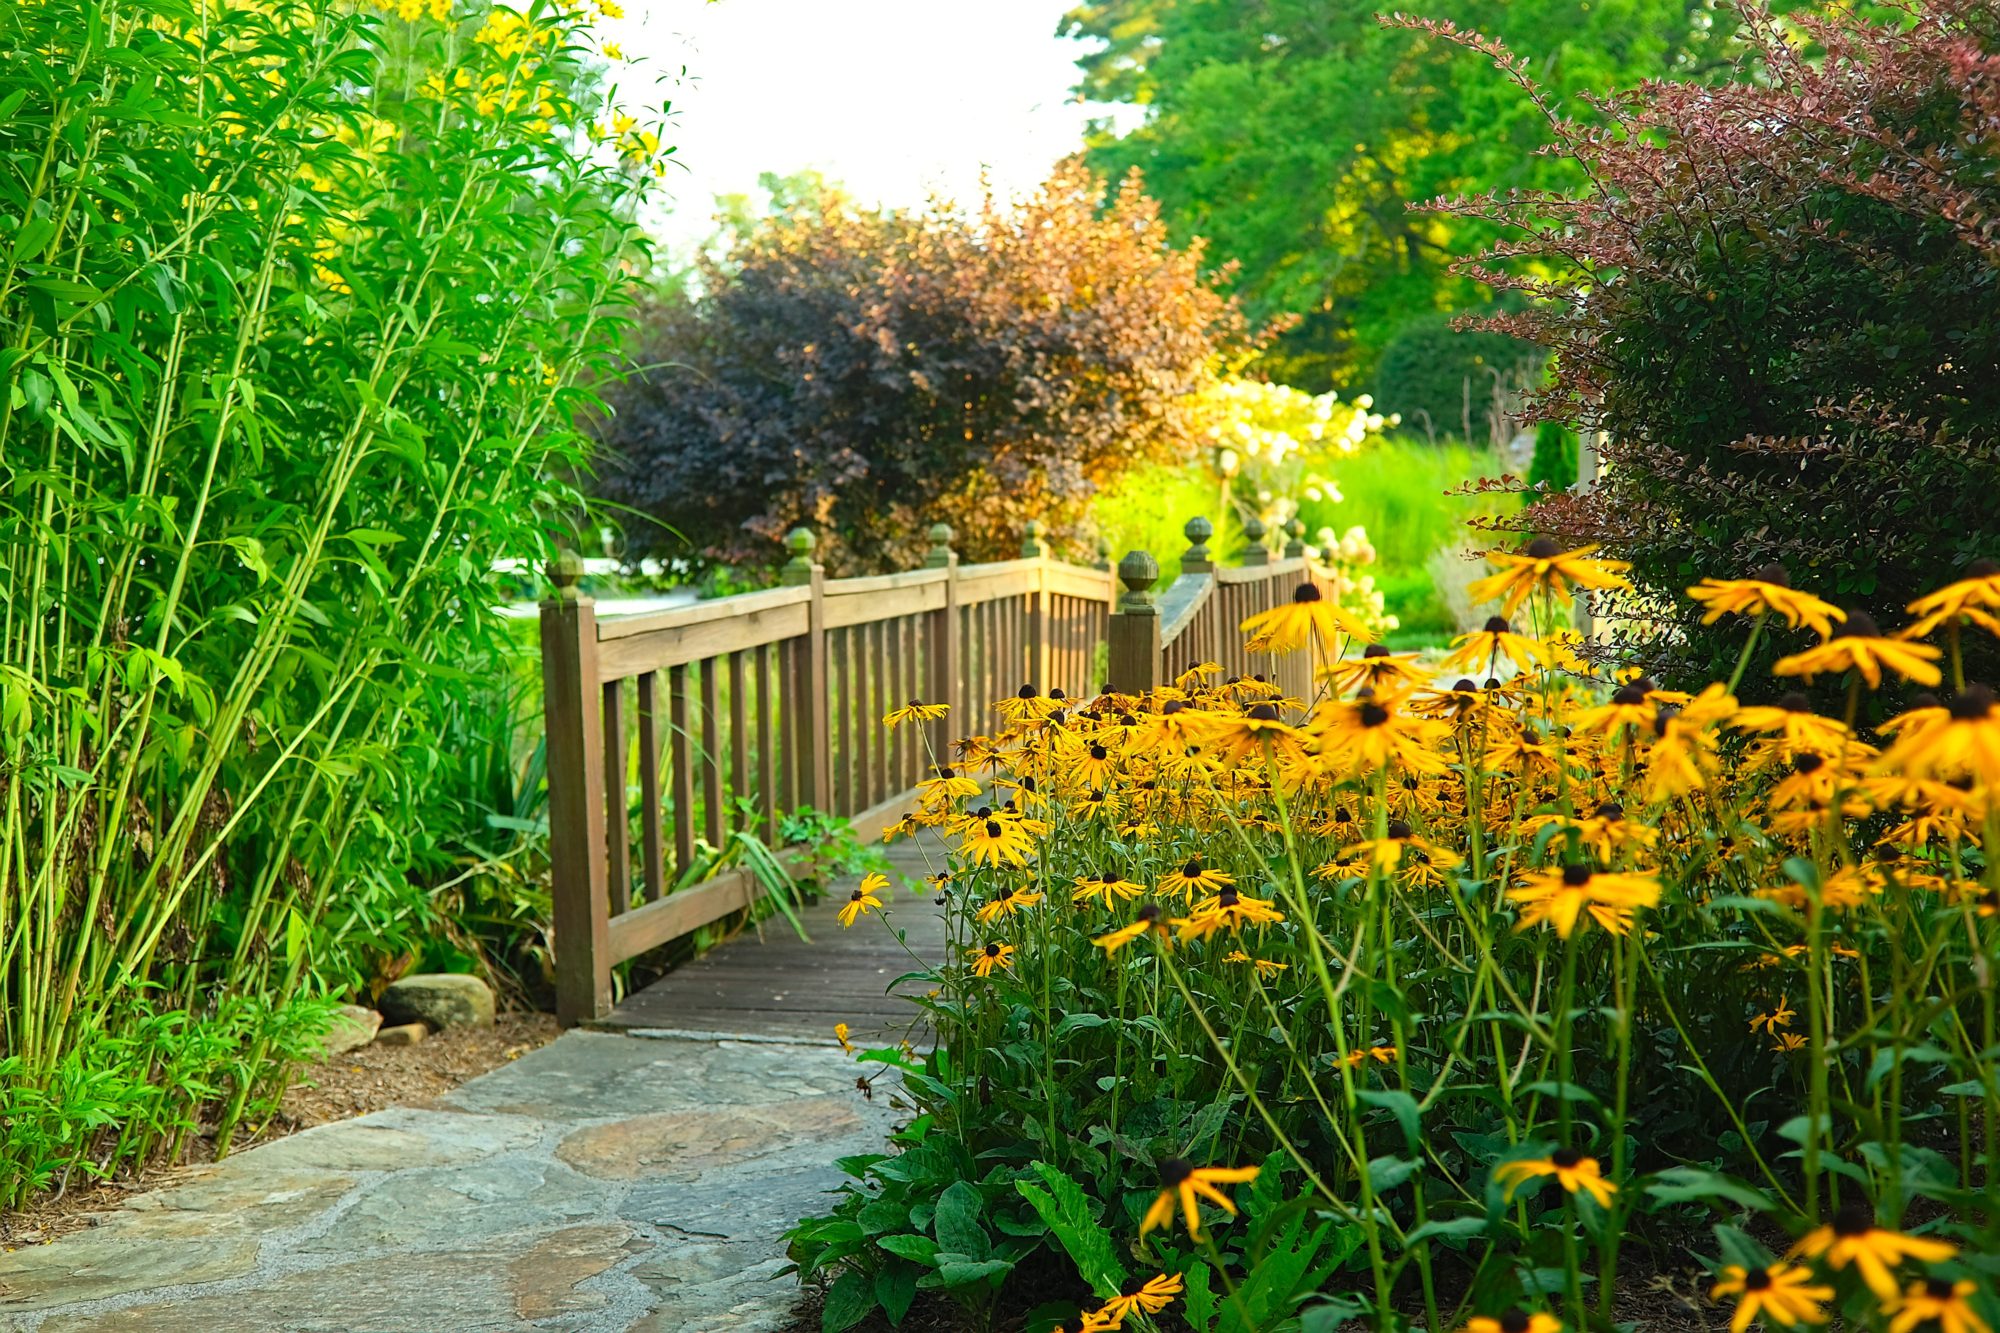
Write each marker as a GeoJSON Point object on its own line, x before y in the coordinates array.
{"type": "Point", "coordinates": [740, 787]}
{"type": "Point", "coordinates": [885, 672]}
{"type": "Point", "coordinates": [767, 755]}
{"type": "Point", "coordinates": [681, 770]}
{"type": "Point", "coordinates": [649, 785]}
{"type": "Point", "coordinates": [840, 646]}
{"type": "Point", "coordinates": [1136, 665]}
{"type": "Point", "coordinates": [715, 818]}
{"type": "Point", "coordinates": [811, 736]}
{"type": "Point", "coordinates": [618, 813]}
{"type": "Point", "coordinates": [942, 643]}
{"type": "Point", "coordinates": [790, 673]}
{"type": "Point", "coordinates": [1036, 610]}
{"type": "Point", "coordinates": [573, 721]}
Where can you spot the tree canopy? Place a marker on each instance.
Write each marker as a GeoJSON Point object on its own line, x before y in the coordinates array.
{"type": "Point", "coordinates": [1295, 134]}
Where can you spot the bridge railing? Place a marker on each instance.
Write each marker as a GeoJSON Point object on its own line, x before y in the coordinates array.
{"type": "Point", "coordinates": [1157, 635]}
{"type": "Point", "coordinates": [671, 731]}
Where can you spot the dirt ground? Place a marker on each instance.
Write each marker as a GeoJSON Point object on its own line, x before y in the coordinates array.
{"type": "Point", "coordinates": [369, 1079]}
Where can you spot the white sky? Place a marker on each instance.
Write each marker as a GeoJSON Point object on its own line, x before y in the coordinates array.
{"type": "Point", "coordinates": [890, 98]}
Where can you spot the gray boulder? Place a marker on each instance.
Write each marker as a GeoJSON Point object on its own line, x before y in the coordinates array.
{"type": "Point", "coordinates": [353, 1026]}
{"type": "Point", "coordinates": [439, 999]}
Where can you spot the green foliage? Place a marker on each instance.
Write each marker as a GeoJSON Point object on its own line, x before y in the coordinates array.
{"type": "Point", "coordinates": [867, 374]}
{"type": "Point", "coordinates": [292, 322]}
{"type": "Point", "coordinates": [1293, 134]}
{"type": "Point", "coordinates": [1442, 381]}
{"type": "Point", "coordinates": [1557, 457]}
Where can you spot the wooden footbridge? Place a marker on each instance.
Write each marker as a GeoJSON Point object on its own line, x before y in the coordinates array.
{"type": "Point", "coordinates": [671, 732]}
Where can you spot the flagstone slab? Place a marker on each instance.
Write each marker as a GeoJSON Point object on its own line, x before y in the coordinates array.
{"type": "Point", "coordinates": [602, 1184]}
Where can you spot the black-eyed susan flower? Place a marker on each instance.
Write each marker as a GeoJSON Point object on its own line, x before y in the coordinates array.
{"type": "Point", "coordinates": [1147, 918]}
{"type": "Point", "coordinates": [1193, 877]}
{"type": "Point", "coordinates": [1851, 1239]}
{"type": "Point", "coordinates": [1794, 725]}
{"type": "Point", "coordinates": [1025, 705]}
{"type": "Point", "coordinates": [1861, 647]}
{"type": "Point", "coordinates": [1542, 565]}
{"type": "Point", "coordinates": [840, 1034]}
{"type": "Point", "coordinates": [1974, 598]}
{"type": "Point", "coordinates": [1514, 1321]}
{"type": "Point", "coordinates": [1769, 591]}
{"type": "Point", "coordinates": [986, 957]}
{"type": "Point", "coordinates": [1149, 1296]}
{"type": "Point", "coordinates": [946, 785]}
{"type": "Point", "coordinates": [1264, 967]}
{"type": "Point", "coordinates": [1780, 1015]}
{"type": "Point", "coordinates": [1482, 649]}
{"type": "Point", "coordinates": [1783, 1294]}
{"type": "Point", "coordinates": [1105, 889]}
{"type": "Point", "coordinates": [1572, 1170]}
{"type": "Point", "coordinates": [1366, 734]}
{"type": "Point", "coordinates": [1376, 669]}
{"type": "Point", "coordinates": [1562, 898]}
{"type": "Point", "coordinates": [1185, 1185]}
{"type": "Point", "coordinates": [916, 710]}
{"type": "Point", "coordinates": [1309, 618]}
{"type": "Point", "coordinates": [866, 898]}
{"type": "Point", "coordinates": [1381, 1055]}
{"type": "Point", "coordinates": [990, 839]}
{"type": "Point", "coordinates": [1006, 901]}
{"type": "Point", "coordinates": [1963, 741]}
{"type": "Point", "coordinates": [1939, 1301]}
{"type": "Point", "coordinates": [1227, 910]}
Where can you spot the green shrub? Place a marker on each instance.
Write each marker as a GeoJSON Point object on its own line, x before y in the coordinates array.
{"type": "Point", "coordinates": [1779, 303]}
{"type": "Point", "coordinates": [1440, 380]}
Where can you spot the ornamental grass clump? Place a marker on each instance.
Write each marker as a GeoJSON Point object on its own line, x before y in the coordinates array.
{"type": "Point", "coordinates": [1506, 1002]}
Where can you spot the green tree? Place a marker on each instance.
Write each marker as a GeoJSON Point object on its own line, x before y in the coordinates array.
{"type": "Point", "coordinates": [1295, 134]}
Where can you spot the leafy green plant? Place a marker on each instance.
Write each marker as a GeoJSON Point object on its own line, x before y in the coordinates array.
{"type": "Point", "coordinates": [295, 298]}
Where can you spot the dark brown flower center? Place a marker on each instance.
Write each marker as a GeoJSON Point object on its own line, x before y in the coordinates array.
{"type": "Point", "coordinates": [1857, 1219]}
{"type": "Point", "coordinates": [1940, 1288]}
{"type": "Point", "coordinates": [1307, 593]}
{"type": "Point", "coordinates": [1757, 1279]}
{"type": "Point", "coordinates": [1774, 574]}
{"type": "Point", "coordinates": [1972, 703]}
{"type": "Point", "coordinates": [1264, 713]}
{"type": "Point", "coordinates": [1576, 874]}
{"type": "Point", "coordinates": [992, 828]}
{"type": "Point", "coordinates": [1398, 830]}
{"type": "Point", "coordinates": [1192, 870]}
{"type": "Point", "coordinates": [1515, 1321]}
{"type": "Point", "coordinates": [1808, 763]}
{"type": "Point", "coordinates": [1373, 714]}
{"type": "Point", "coordinates": [1497, 625]}
{"type": "Point", "coordinates": [992, 951]}
{"type": "Point", "coordinates": [1174, 1172]}
{"type": "Point", "coordinates": [1565, 1157]}
{"type": "Point", "coordinates": [1149, 913]}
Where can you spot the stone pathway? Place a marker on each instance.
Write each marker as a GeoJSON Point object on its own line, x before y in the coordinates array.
{"type": "Point", "coordinates": [632, 1183]}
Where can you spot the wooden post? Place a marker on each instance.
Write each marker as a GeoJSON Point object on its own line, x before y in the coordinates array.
{"type": "Point", "coordinates": [941, 646]}
{"type": "Point", "coordinates": [1255, 552]}
{"type": "Point", "coordinates": [811, 735]}
{"type": "Point", "coordinates": [571, 713]}
{"type": "Point", "coordinates": [1135, 628]}
{"type": "Point", "coordinates": [1040, 663]}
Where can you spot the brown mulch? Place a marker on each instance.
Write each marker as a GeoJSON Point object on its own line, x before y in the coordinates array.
{"type": "Point", "coordinates": [372, 1078]}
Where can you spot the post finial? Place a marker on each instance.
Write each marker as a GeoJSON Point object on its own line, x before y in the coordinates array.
{"type": "Point", "coordinates": [565, 571]}
{"type": "Point", "coordinates": [799, 569]}
{"type": "Point", "coordinates": [1032, 545]}
{"type": "Point", "coordinates": [940, 554]}
{"type": "Point", "coordinates": [1138, 571]}
{"type": "Point", "coordinates": [1254, 550]}
{"type": "Point", "coordinates": [1197, 556]}
{"type": "Point", "coordinates": [1103, 553]}
{"type": "Point", "coordinates": [1295, 549]}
